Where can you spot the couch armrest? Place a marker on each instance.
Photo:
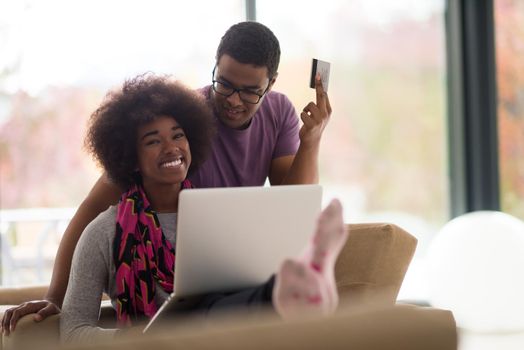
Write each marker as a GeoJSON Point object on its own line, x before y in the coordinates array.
{"type": "Point", "coordinates": [373, 263]}
{"type": "Point", "coordinates": [12, 296]}
{"type": "Point", "coordinates": [30, 334]}
{"type": "Point", "coordinates": [18, 295]}
{"type": "Point", "coordinates": [46, 333]}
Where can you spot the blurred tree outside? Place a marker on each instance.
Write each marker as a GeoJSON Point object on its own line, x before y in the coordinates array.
{"type": "Point", "coordinates": [385, 146]}
{"type": "Point", "coordinates": [41, 159]}
{"type": "Point", "coordinates": [509, 43]}
{"type": "Point", "coordinates": [55, 68]}
{"type": "Point", "coordinates": [41, 143]}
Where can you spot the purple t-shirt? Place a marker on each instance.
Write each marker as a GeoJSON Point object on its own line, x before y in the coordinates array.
{"type": "Point", "coordinates": [243, 157]}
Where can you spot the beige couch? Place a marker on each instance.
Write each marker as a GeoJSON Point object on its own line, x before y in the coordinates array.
{"type": "Point", "coordinates": [369, 273]}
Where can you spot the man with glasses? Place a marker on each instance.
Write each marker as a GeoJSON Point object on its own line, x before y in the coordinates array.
{"type": "Point", "coordinates": [258, 134]}
{"type": "Point", "coordinates": [258, 138]}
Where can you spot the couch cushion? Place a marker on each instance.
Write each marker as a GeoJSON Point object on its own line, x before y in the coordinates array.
{"type": "Point", "coordinates": [373, 263]}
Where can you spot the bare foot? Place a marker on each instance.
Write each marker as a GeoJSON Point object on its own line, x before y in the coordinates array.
{"type": "Point", "coordinates": [307, 285]}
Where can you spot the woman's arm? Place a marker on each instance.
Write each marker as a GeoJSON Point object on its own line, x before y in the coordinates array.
{"type": "Point", "coordinates": [90, 270]}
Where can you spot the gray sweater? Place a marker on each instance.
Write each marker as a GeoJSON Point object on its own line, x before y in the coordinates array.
{"type": "Point", "coordinates": [93, 273]}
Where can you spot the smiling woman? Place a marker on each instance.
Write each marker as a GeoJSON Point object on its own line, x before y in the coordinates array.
{"type": "Point", "coordinates": [135, 110]}
{"type": "Point", "coordinates": [163, 146]}
{"type": "Point", "coordinates": [163, 159]}
{"type": "Point", "coordinates": [141, 135]}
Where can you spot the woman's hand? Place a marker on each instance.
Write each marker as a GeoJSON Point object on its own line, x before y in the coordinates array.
{"type": "Point", "coordinates": [41, 309]}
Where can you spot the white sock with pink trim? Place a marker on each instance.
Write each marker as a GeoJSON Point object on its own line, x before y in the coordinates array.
{"type": "Point", "coordinates": [307, 285]}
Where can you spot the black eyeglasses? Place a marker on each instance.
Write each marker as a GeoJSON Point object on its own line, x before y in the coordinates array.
{"type": "Point", "coordinates": [227, 90]}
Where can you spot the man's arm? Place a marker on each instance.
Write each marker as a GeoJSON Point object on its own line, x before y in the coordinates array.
{"type": "Point", "coordinates": [103, 194]}
{"type": "Point", "coordinates": [302, 168]}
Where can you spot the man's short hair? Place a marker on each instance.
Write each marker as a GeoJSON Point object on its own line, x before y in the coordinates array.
{"type": "Point", "coordinates": [251, 43]}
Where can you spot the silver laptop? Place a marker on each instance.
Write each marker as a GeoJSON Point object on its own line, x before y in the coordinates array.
{"type": "Point", "coordinates": [234, 238]}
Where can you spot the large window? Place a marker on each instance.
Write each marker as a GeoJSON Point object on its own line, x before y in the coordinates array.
{"type": "Point", "coordinates": [58, 58]}
{"type": "Point", "coordinates": [384, 151]}
{"type": "Point", "coordinates": [509, 39]}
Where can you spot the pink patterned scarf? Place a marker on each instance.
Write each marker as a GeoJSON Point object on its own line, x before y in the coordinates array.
{"type": "Point", "coordinates": [142, 256]}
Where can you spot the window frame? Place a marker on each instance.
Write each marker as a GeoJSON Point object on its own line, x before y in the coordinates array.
{"type": "Point", "coordinates": [472, 106]}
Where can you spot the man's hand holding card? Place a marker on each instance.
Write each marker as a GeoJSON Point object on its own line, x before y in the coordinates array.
{"type": "Point", "coordinates": [315, 116]}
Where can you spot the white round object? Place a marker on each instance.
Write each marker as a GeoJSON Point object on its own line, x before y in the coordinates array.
{"type": "Point", "coordinates": [476, 270]}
